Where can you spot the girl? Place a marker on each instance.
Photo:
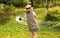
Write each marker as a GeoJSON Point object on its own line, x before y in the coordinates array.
{"type": "Point", "coordinates": [31, 17]}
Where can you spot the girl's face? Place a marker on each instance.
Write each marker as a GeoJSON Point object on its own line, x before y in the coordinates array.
{"type": "Point", "coordinates": [28, 9]}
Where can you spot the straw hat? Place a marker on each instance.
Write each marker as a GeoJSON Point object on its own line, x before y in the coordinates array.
{"type": "Point", "coordinates": [29, 10]}
{"type": "Point", "coordinates": [28, 6]}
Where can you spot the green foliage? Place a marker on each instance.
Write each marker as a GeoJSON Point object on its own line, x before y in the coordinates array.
{"type": "Point", "coordinates": [52, 18]}
{"type": "Point", "coordinates": [6, 11]}
{"type": "Point", "coordinates": [57, 27]}
{"type": "Point", "coordinates": [17, 3]}
{"type": "Point", "coordinates": [53, 15]}
{"type": "Point", "coordinates": [4, 14]}
{"type": "Point", "coordinates": [4, 17]}
{"type": "Point", "coordinates": [37, 3]}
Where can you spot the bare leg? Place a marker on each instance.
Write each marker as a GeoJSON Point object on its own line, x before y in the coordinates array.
{"type": "Point", "coordinates": [33, 35]}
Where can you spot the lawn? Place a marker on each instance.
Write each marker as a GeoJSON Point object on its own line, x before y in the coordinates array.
{"type": "Point", "coordinates": [12, 29]}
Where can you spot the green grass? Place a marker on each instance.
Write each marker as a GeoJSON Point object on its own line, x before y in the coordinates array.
{"type": "Point", "coordinates": [12, 29]}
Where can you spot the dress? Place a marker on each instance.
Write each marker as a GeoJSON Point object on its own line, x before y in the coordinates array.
{"type": "Point", "coordinates": [32, 22]}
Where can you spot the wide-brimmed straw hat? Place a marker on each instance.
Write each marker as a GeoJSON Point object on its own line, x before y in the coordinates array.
{"type": "Point", "coordinates": [28, 6]}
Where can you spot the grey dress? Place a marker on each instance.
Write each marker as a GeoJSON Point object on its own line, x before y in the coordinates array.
{"type": "Point", "coordinates": [32, 22]}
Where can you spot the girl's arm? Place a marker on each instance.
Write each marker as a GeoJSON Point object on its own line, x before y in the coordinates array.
{"type": "Point", "coordinates": [25, 15]}
{"type": "Point", "coordinates": [25, 18]}
{"type": "Point", "coordinates": [35, 15]}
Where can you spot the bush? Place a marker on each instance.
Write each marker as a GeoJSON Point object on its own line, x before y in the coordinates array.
{"type": "Point", "coordinates": [4, 13]}
{"type": "Point", "coordinates": [53, 14]}
{"type": "Point", "coordinates": [51, 19]}
{"type": "Point", "coordinates": [4, 17]}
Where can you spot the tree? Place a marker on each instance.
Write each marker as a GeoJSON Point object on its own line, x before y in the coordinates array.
{"type": "Point", "coordinates": [32, 3]}
{"type": "Point", "coordinates": [48, 4]}
{"type": "Point", "coordinates": [44, 1]}
{"type": "Point", "coordinates": [38, 1]}
{"type": "Point", "coordinates": [17, 3]}
{"type": "Point", "coordinates": [55, 2]}
{"type": "Point", "coordinates": [52, 1]}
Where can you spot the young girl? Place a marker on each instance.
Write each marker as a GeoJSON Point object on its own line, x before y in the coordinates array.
{"type": "Point", "coordinates": [31, 17]}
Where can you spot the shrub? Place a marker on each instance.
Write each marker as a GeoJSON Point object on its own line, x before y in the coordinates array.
{"type": "Point", "coordinates": [4, 17]}
{"type": "Point", "coordinates": [53, 14]}
{"type": "Point", "coordinates": [4, 13]}
{"type": "Point", "coordinates": [51, 19]}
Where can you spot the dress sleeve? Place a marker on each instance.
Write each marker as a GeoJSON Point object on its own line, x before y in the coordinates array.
{"type": "Point", "coordinates": [34, 13]}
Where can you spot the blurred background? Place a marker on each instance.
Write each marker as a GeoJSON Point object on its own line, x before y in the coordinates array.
{"type": "Point", "coordinates": [48, 13]}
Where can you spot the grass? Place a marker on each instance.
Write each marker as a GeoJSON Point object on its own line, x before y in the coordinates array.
{"type": "Point", "coordinates": [12, 29]}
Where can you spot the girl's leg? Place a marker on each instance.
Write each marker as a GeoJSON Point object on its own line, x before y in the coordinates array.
{"type": "Point", "coordinates": [33, 35]}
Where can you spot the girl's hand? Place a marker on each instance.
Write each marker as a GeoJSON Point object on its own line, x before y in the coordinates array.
{"type": "Point", "coordinates": [25, 19]}
{"type": "Point", "coordinates": [35, 17]}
